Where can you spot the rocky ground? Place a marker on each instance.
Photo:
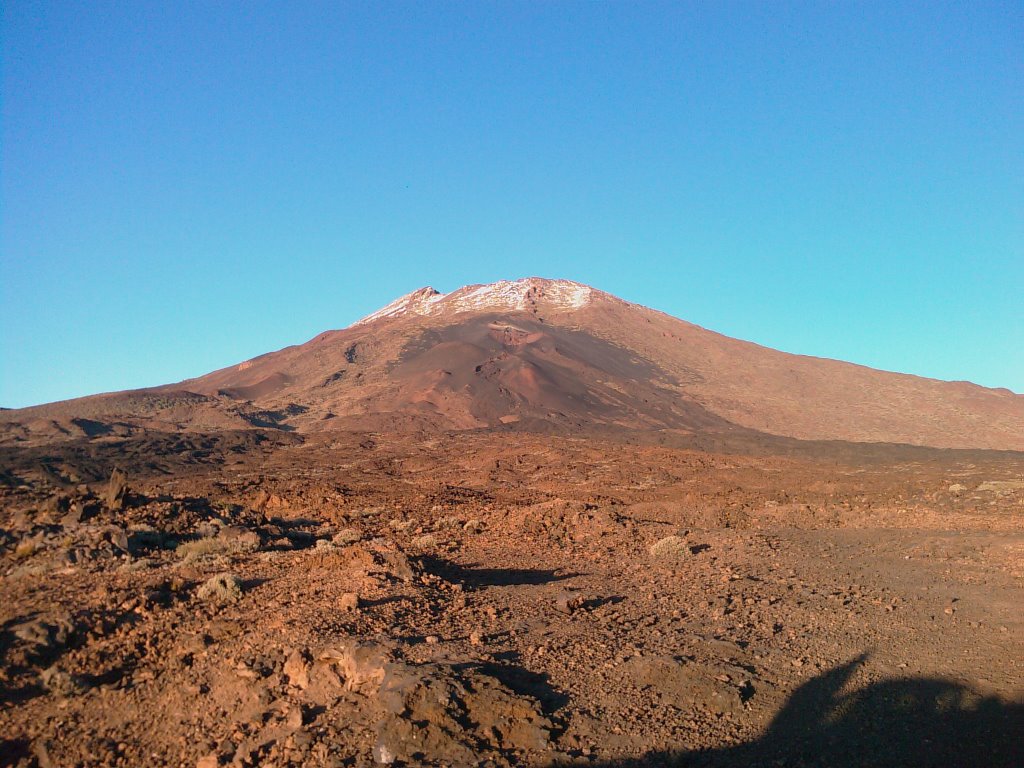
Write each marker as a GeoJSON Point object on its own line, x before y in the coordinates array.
{"type": "Point", "coordinates": [344, 599]}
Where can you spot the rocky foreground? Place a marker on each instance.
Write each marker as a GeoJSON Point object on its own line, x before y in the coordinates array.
{"type": "Point", "coordinates": [350, 599]}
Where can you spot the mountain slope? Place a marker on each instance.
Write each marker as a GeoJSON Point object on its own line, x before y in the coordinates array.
{"type": "Point", "coordinates": [559, 354]}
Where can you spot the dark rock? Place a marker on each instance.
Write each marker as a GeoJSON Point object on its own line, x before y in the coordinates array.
{"type": "Point", "coordinates": [145, 538]}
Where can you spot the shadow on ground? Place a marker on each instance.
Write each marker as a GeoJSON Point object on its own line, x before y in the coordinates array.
{"type": "Point", "coordinates": [473, 577]}
{"type": "Point", "coordinates": [918, 722]}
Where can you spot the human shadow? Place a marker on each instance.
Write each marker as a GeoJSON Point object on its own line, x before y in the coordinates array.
{"type": "Point", "coordinates": [472, 577]}
{"type": "Point", "coordinates": [919, 722]}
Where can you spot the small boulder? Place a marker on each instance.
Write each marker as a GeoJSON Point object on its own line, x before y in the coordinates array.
{"type": "Point", "coordinates": [74, 516]}
{"type": "Point", "coordinates": [119, 538]}
{"type": "Point", "coordinates": [383, 755]}
{"type": "Point", "coordinates": [47, 634]}
{"type": "Point", "coordinates": [117, 490]}
{"type": "Point", "coordinates": [398, 565]}
{"type": "Point", "coordinates": [349, 601]}
{"type": "Point", "coordinates": [296, 667]}
{"type": "Point", "coordinates": [360, 664]}
{"type": "Point", "coordinates": [60, 683]}
{"type": "Point", "coordinates": [569, 602]}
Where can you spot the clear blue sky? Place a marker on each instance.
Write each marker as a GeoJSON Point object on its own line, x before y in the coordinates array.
{"type": "Point", "coordinates": [186, 185]}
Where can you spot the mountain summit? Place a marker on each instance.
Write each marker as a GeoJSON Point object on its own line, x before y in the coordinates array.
{"type": "Point", "coordinates": [528, 293]}
{"type": "Point", "coordinates": [548, 355]}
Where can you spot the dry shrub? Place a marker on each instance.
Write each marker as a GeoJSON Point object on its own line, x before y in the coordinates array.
{"type": "Point", "coordinates": [670, 546]}
{"type": "Point", "coordinates": [217, 546]}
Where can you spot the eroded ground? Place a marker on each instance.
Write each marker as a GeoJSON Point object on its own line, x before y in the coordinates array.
{"type": "Point", "coordinates": [486, 599]}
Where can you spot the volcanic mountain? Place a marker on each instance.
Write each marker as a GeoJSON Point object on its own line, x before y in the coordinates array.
{"type": "Point", "coordinates": [544, 355]}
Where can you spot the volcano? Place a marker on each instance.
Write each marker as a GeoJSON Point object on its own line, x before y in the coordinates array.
{"type": "Point", "coordinates": [518, 524]}
{"type": "Point", "coordinates": [547, 355]}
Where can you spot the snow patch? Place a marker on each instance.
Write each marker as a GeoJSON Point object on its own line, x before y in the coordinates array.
{"type": "Point", "coordinates": [522, 294]}
{"type": "Point", "coordinates": [412, 303]}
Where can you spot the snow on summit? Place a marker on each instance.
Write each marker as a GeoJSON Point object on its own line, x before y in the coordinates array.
{"type": "Point", "coordinates": [504, 295]}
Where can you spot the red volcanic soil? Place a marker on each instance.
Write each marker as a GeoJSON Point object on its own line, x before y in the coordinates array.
{"type": "Point", "coordinates": [495, 598]}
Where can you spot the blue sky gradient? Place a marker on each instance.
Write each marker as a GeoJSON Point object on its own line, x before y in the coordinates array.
{"type": "Point", "coordinates": [186, 185]}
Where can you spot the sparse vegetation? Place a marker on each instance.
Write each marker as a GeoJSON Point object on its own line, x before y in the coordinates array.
{"type": "Point", "coordinates": [216, 546]}
{"type": "Point", "coordinates": [25, 548]}
{"type": "Point", "coordinates": [222, 588]}
{"type": "Point", "coordinates": [670, 546]}
{"type": "Point", "coordinates": [426, 541]}
{"type": "Point", "coordinates": [346, 536]}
